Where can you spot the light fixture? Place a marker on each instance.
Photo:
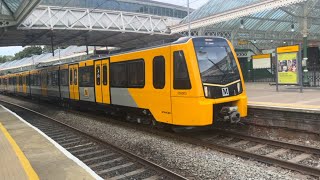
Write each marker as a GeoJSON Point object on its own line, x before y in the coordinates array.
{"type": "Point", "coordinates": [284, 42]}
{"type": "Point", "coordinates": [271, 40]}
{"type": "Point", "coordinates": [254, 41]}
{"type": "Point", "coordinates": [292, 27]}
{"type": "Point", "coordinates": [241, 24]}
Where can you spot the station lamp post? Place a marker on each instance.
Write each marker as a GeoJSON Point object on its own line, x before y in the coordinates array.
{"type": "Point", "coordinates": [189, 25]}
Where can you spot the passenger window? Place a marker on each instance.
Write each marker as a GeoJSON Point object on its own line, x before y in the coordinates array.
{"type": "Point", "coordinates": [98, 75]}
{"type": "Point", "coordinates": [136, 74]}
{"type": "Point", "coordinates": [75, 77]}
{"type": "Point", "coordinates": [64, 77]}
{"type": "Point", "coordinates": [70, 75]}
{"type": "Point", "coordinates": [118, 75]}
{"type": "Point", "coordinates": [181, 78]}
{"type": "Point", "coordinates": [27, 80]}
{"type": "Point", "coordinates": [86, 76]}
{"type": "Point", "coordinates": [159, 72]}
{"type": "Point", "coordinates": [105, 75]}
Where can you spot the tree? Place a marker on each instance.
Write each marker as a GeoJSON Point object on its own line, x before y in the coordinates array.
{"type": "Point", "coordinates": [4, 59]}
{"type": "Point", "coordinates": [28, 52]}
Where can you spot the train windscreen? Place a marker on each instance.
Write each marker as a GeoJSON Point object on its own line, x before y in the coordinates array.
{"type": "Point", "coordinates": [216, 61]}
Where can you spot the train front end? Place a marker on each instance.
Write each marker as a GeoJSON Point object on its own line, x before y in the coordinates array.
{"type": "Point", "coordinates": [217, 80]}
{"type": "Point", "coordinates": [221, 77]}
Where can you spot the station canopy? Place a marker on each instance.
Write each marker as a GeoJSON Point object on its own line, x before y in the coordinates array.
{"type": "Point", "coordinates": [13, 12]}
{"type": "Point", "coordinates": [266, 29]}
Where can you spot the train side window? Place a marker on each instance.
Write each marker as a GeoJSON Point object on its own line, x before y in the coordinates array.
{"type": "Point", "coordinates": [86, 76]}
{"type": "Point", "coordinates": [70, 76]}
{"type": "Point", "coordinates": [118, 75]}
{"type": "Point", "coordinates": [159, 72]}
{"type": "Point", "coordinates": [20, 80]}
{"type": "Point", "coordinates": [98, 75]}
{"type": "Point", "coordinates": [136, 73]}
{"type": "Point", "coordinates": [75, 78]}
{"type": "Point", "coordinates": [27, 80]}
{"type": "Point", "coordinates": [105, 74]}
{"type": "Point", "coordinates": [64, 77]}
{"type": "Point", "coordinates": [181, 78]}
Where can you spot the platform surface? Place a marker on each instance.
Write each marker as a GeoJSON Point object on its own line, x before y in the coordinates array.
{"type": "Point", "coordinates": [288, 97]}
{"type": "Point", "coordinates": [14, 164]}
{"type": "Point", "coordinates": [45, 158]}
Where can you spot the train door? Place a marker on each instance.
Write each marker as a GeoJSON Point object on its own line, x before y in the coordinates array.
{"type": "Point", "coordinates": [101, 81]}
{"type": "Point", "coordinates": [73, 82]}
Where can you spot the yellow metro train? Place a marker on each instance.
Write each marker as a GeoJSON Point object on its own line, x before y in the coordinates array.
{"type": "Point", "coordinates": [191, 82]}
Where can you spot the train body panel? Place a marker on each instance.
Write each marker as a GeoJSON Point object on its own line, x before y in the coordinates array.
{"type": "Point", "coordinates": [190, 82]}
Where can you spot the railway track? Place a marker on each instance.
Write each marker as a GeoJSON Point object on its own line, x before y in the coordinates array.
{"type": "Point", "coordinates": [107, 160]}
{"type": "Point", "coordinates": [290, 156]}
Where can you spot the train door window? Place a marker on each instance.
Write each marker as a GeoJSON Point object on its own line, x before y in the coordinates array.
{"type": "Point", "coordinates": [159, 72]}
{"type": "Point", "coordinates": [136, 73]}
{"type": "Point", "coordinates": [105, 74]}
{"type": "Point", "coordinates": [118, 75]}
{"type": "Point", "coordinates": [181, 78]}
{"type": "Point", "coordinates": [86, 76]}
{"type": "Point", "coordinates": [75, 77]}
{"type": "Point", "coordinates": [98, 75]}
{"type": "Point", "coordinates": [24, 81]}
{"type": "Point", "coordinates": [54, 78]}
{"type": "Point", "coordinates": [70, 76]}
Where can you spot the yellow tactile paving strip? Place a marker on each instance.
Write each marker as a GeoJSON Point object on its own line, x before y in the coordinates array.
{"type": "Point", "coordinates": [14, 164]}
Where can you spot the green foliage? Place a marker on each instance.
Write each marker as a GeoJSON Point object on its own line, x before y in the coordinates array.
{"type": "Point", "coordinates": [4, 59]}
{"type": "Point", "coordinates": [28, 52]}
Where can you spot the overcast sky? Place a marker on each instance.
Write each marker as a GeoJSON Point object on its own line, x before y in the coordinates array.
{"type": "Point", "coordinates": [193, 4]}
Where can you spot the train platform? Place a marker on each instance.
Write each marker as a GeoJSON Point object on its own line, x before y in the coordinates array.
{"type": "Point", "coordinates": [288, 98]}
{"type": "Point", "coordinates": [26, 153]}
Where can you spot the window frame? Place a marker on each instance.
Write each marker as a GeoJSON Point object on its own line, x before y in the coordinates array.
{"type": "Point", "coordinates": [105, 74]}
{"type": "Point", "coordinates": [86, 69]}
{"type": "Point", "coordinates": [184, 61]}
{"type": "Point", "coordinates": [155, 84]}
{"type": "Point", "coordinates": [126, 64]}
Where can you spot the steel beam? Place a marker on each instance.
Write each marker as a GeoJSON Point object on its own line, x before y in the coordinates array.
{"type": "Point", "coordinates": [66, 18]}
{"type": "Point", "coordinates": [234, 14]}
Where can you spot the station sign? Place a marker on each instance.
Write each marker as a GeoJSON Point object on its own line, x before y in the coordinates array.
{"type": "Point", "coordinates": [288, 65]}
{"type": "Point", "coordinates": [261, 61]}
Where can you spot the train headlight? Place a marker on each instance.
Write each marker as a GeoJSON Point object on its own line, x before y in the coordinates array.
{"type": "Point", "coordinates": [239, 87]}
{"type": "Point", "coordinates": [206, 91]}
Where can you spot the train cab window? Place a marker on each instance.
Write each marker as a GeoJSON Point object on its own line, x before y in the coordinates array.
{"type": "Point", "coordinates": [118, 75]}
{"type": "Point", "coordinates": [86, 76]}
{"type": "Point", "coordinates": [64, 77]}
{"type": "Point", "coordinates": [75, 78]}
{"type": "Point", "coordinates": [70, 76]}
{"type": "Point", "coordinates": [105, 74]}
{"type": "Point", "coordinates": [159, 72]}
{"type": "Point", "coordinates": [181, 78]}
{"type": "Point", "coordinates": [98, 75]}
{"type": "Point", "coordinates": [136, 73]}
